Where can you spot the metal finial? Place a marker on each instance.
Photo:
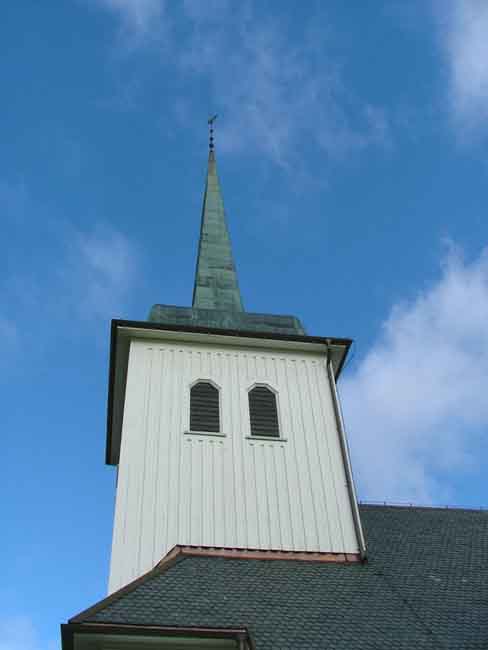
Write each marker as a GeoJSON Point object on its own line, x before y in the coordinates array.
{"type": "Point", "coordinates": [211, 120]}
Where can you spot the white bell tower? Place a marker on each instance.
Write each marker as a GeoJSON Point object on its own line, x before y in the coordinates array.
{"type": "Point", "coordinates": [226, 428]}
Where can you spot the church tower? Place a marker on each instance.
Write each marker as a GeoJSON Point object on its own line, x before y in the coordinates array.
{"type": "Point", "coordinates": [236, 520]}
{"type": "Point", "coordinates": [225, 427]}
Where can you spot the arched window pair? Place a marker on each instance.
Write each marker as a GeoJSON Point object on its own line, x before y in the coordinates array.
{"type": "Point", "coordinates": [205, 410]}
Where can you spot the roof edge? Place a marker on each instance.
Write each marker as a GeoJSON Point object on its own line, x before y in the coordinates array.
{"type": "Point", "coordinates": [68, 631]}
{"type": "Point", "coordinates": [419, 506]}
{"type": "Point", "coordinates": [299, 338]}
{"type": "Point", "coordinates": [167, 562]}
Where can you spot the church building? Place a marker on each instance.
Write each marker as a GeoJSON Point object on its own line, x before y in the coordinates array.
{"type": "Point", "coordinates": [237, 524]}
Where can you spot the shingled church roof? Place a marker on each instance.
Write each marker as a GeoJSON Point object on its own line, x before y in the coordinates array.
{"type": "Point", "coordinates": [424, 587]}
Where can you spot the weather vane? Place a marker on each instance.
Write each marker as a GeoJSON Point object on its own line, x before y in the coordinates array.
{"type": "Point", "coordinates": [211, 120]}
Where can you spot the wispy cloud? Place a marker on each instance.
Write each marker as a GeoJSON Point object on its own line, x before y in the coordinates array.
{"type": "Point", "coordinates": [464, 33]}
{"type": "Point", "coordinates": [416, 404]}
{"type": "Point", "coordinates": [10, 337]}
{"type": "Point", "coordinates": [99, 271]}
{"type": "Point", "coordinates": [277, 84]}
{"type": "Point", "coordinates": [87, 276]}
{"type": "Point", "coordinates": [140, 19]}
{"type": "Point", "coordinates": [13, 200]}
{"type": "Point", "coordinates": [19, 633]}
{"type": "Point", "coordinates": [55, 271]}
{"type": "Point", "coordinates": [279, 97]}
{"type": "Point", "coordinates": [8, 332]}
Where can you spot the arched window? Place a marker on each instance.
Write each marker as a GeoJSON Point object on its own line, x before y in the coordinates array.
{"type": "Point", "coordinates": [204, 407]}
{"type": "Point", "coordinates": [263, 412]}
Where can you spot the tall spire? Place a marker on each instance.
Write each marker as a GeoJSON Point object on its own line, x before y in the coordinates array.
{"type": "Point", "coordinates": [216, 285]}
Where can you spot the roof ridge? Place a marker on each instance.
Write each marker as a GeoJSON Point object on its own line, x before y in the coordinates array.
{"type": "Point", "coordinates": [418, 506]}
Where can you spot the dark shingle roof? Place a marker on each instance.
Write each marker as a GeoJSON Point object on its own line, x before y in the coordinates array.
{"type": "Point", "coordinates": [425, 586]}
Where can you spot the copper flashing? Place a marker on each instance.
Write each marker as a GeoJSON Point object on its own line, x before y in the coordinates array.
{"type": "Point", "coordinates": [259, 554]}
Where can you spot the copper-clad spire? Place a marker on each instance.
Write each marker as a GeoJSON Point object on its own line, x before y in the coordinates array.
{"type": "Point", "coordinates": [216, 285]}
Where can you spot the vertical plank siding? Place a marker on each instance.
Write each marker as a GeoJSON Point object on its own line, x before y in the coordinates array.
{"type": "Point", "coordinates": [175, 487]}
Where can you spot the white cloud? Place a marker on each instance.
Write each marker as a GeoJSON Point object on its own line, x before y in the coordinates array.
{"type": "Point", "coordinates": [99, 271]}
{"type": "Point", "coordinates": [139, 18]}
{"type": "Point", "coordinates": [280, 90]}
{"type": "Point", "coordinates": [276, 86]}
{"type": "Point", "coordinates": [19, 633]}
{"type": "Point", "coordinates": [8, 332]}
{"type": "Point", "coordinates": [205, 11]}
{"type": "Point", "coordinates": [416, 403]}
{"type": "Point", "coordinates": [86, 275]}
{"type": "Point", "coordinates": [13, 200]}
{"type": "Point", "coordinates": [465, 40]}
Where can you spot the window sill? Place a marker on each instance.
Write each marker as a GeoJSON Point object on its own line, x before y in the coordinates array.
{"type": "Point", "coordinates": [205, 433]}
{"type": "Point", "coordinates": [271, 438]}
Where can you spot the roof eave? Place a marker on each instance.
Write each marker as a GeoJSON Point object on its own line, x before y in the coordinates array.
{"type": "Point", "coordinates": [69, 630]}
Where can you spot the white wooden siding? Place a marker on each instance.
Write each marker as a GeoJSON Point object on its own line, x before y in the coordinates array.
{"type": "Point", "coordinates": [226, 491]}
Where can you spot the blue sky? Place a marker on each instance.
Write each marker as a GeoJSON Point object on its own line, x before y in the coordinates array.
{"type": "Point", "coordinates": [352, 145]}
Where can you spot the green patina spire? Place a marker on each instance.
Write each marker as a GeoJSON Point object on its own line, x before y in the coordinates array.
{"type": "Point", "coordinates": [216, 285]}
{"type": "Point", "coordinates": [217, 300]}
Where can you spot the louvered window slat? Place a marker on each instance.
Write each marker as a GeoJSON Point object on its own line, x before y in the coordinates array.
{"type": "Point", "coordinates": [263, 412]}
{"type": "Point", "coordinates": [204, 408]}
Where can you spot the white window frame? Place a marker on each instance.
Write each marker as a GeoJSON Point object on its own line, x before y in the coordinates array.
{"type": "Point", "coordinates": [188, 431]}
{"type": "Point", "coordinates": [274, 390]}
